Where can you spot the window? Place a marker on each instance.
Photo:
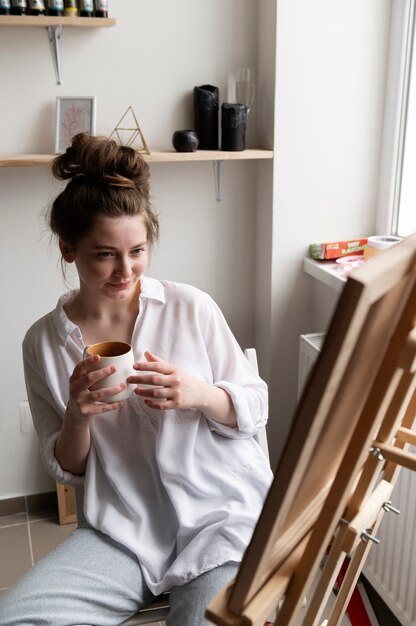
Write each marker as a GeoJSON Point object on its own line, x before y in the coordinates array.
{"type": "Point", "coordinates": [405, 215]}
{"type": "Point", "coordinates": [397, 188]}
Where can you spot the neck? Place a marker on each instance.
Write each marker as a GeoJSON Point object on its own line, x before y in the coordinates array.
{"type": "Point", "coordinates": [86, 307]}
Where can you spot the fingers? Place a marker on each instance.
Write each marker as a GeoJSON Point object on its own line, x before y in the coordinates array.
{"type": "Point", "coordinates": [152, 357]}
{"type": "Point", "coordinates": [161, 406]}
{"type": "Point", "coordinates": [155, 373]}
{"type": "Point", "coordinates": [163, 385]}
{"type": "Point", "coordinates": [154, 363]}
{"type": "Point", "coordinates": [167, 396]}
{"type": "Point", "coordinates": [87, 372]}
{"type": "Point", "coordinates": [155, 380]}
{"type": "Point", "coordinates": [105, 407]}
{"type": "Point", "coordinates": [86, 400]}
{"type": "Point", "coordinates": [85, 366]}
{"type": "Point", "coordinates": [86, 404]}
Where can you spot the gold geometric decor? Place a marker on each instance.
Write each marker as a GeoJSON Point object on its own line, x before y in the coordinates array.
{"type": "Point", "coordinates": [128, 131]}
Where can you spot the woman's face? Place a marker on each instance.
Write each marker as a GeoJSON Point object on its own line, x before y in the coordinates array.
{"type": "Point", "coordinates": [112, 257]}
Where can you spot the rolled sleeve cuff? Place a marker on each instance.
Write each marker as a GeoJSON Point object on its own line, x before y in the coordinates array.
{"type": "Point", "coordinates": [246, 425]}
{"type": "Point", "coordinates": [52, 466]}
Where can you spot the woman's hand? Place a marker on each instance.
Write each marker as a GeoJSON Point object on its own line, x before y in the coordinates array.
{"type": "Point", "coordinates": [73, 443]}
{"type": "Point", "coordinates": [173, 388]}
{"type": "Point", "coordinates": [82, 405]}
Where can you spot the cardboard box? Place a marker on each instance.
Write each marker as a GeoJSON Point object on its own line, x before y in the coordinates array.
{"type": "Point", "coordinates": [337, 249]}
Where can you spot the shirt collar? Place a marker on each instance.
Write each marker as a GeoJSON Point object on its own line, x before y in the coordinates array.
{"type": "Point", "coordinates": [150, 289]}
{"type": "Point", "coordinates": [63, 325]}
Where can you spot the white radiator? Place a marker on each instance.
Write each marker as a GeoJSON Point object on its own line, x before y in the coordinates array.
{"type": "Point", "coordinates": [309, 347]}
{"type": "Point", "coordinates": [391, 566]}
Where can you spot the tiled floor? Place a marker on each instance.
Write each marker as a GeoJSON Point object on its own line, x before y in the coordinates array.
{"type": "Point", "coordinates": [29, 529]}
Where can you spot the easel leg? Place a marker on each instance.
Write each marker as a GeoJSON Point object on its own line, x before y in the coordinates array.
{"type": "Point", "coordinates": [318, 601]}
{"type": "Point", "coordinates": [348, 584]}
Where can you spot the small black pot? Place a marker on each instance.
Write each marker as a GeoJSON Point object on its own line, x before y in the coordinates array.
{"type": "Point", "coordinates": [185, 140]}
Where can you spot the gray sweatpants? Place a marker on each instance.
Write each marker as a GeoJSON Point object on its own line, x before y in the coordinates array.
{"type": "Point", "coordinates": [92, 580]}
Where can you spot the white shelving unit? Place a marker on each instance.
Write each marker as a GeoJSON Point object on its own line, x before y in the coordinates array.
{"type": "Point", "coordinates": [330, 273]}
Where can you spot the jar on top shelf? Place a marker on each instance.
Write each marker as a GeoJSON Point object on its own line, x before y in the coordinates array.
{"type": "Point", "coordinates": [18, 7]}
{"type": "Point", "coordinates": [36, 7]}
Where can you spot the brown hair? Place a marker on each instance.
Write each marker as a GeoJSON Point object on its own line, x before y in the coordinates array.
{"type": "Point", "coordinates": [105, 180]}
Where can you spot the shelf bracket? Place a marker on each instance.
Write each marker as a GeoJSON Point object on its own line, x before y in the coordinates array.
{"type": "Point", "coordinates": [55, 41]}
{"type": "Point", "coordinates": [218, 166]}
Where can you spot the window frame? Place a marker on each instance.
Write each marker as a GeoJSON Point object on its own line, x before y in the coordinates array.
{"type": "Point", "coordinates": [395, 114]}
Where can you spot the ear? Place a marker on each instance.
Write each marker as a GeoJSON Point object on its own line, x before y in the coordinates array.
{"type": "Point", "coordinates": [66, 251]}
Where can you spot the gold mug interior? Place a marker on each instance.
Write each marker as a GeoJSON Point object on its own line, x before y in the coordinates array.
{"type": "Point", "coordinates": [108, 348]}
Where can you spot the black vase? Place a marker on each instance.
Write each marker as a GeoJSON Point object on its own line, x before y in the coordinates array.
{"type": "Point", "coordinates": [233, 127]}
{"type": "Point", "coordinates": [206, 109]}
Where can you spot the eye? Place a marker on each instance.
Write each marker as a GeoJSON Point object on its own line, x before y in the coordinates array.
{"type": "Point", "coordinates": [104, 254]}
{"type": "Point", "coordinates": [137, 251]}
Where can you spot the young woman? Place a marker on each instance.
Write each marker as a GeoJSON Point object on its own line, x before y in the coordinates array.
{"type": "Point", "coordinates": [173, 479]}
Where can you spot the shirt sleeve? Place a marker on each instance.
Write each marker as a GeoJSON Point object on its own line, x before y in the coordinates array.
{"type": "Point", "coordinates": [233, 373]}
{"type": "Point", "coordinates": [46, 416]}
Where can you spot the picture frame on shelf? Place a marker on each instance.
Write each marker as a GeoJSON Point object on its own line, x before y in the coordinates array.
{"type": "Point", "coordinates": [73, 115]}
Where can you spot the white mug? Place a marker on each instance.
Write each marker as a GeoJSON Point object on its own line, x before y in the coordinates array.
{"type": "Point", "coordinates": [120, 355]}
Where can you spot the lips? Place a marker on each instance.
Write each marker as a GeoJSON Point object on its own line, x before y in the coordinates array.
{"type": "Point", "coordinates": [119, 286]}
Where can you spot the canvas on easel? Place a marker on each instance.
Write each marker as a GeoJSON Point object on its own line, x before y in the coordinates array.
{"type": "Point", "coordinates": [347, 443]}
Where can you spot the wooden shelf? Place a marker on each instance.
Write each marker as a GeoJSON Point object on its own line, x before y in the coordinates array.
{"type": "Point", "coordinates": [46, 20]}
{"type": "Point", "coordinates": [165, 156]}
{"type": "Point", "coordinates": [170, 156]}
{"type": "Point", "coordinates": [217, 158]}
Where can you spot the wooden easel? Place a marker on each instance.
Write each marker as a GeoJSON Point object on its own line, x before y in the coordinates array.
{"type": "Point", "coordinates": [343, 455]}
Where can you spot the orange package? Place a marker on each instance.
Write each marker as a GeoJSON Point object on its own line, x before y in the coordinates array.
{"type": "Point", "coordinates": [337, 249]}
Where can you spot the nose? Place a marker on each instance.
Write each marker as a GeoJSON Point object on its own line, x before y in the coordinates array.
{"type": "Point", "coordinates": [123, 267]}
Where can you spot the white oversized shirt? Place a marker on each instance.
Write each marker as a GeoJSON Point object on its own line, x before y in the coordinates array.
{"type": "Point", "coordinates": [181, 491]}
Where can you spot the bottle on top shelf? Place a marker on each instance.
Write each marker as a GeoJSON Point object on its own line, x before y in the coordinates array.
{"type": "Point", "coordinates": [36, 7]}
{"type": "Point", "coordinates": [18, 7]}
{"type": "Point", "coordinates": [55, 7]}
{"type": "Point", "coordinates": [86, 8]}
{"type": "Point", "coordinates": [71, 8]}
{"type": "Point", "coordinates": [5, 7]}
{"type": "Point", "coordinates": [101, 8]}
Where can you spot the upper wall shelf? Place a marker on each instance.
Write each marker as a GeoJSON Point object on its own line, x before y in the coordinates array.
{"type": "Point", "coordinates": [217, 157]}
{"type": "Point", "coordinates": [165, 156]}
{"type": "Point", "coordinates": [46, 20]}
{"type": "Point", "coordinates": [54, 29]}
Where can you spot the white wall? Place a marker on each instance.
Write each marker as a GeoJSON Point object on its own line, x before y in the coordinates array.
{"type": "Point", "coordinates": [151, 60]}
{"type": "Point", "coordinates": [321, 73]}
{"type": "Point", "coordinates": [330, 82]}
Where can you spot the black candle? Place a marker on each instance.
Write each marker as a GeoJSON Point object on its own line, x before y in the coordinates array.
{"type": "Point", "coordinates": [206, 108]}
{"type": "Point", "coordinates": [233, 126]}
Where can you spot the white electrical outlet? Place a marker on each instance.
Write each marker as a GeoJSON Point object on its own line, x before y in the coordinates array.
{"type": "Point", "coordinates": [26, 421]}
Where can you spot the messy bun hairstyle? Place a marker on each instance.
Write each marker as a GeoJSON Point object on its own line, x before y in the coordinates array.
{"type": "Point", "coordinates": [105, 180]}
